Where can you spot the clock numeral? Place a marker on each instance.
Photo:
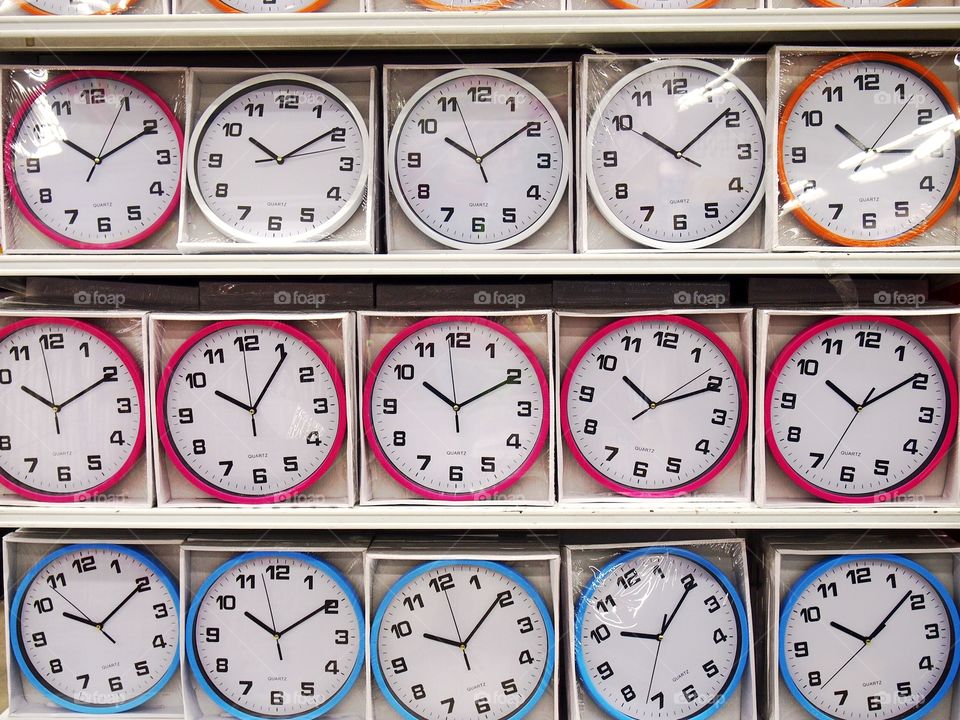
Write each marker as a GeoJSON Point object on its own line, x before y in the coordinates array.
{"type": "Point", "coordinates": [456, 473]}
{"type": "Point", "coordinates": [904, 689]}
{"type": "Point", "coordinates": [442, 583]}
{"type": "Point", "coordinates": [607, 603]}
{"type": "Point", "coordinates": [918, 602]}
{"type": "Point", "coordinates": [62, 107]}
{"type": "Point", "coordinates": [103, 224]}
{"type": "Point", "coordinates": [93, 96]}
{"type": "Point", "coordinates": [680, 222]}
{"type": "Point", "coordinates": [291, 463]}
{"type": "Point", "coordinates": [56, 666]}
{"type": "Point", "coordinates": [423, 192]}
{"type": "Point", "coordinates": [642, 98]}
{"type": "Point", "coordinates": [628, 693]}
{"type": "Point", "coordinates": [276, 697]}
{"type": "Point", "coordinates": [735, 185]}
{"type": "Point", "coordinates": [920, 382]}
{"type": "Point", "coordinates": [719, 417]}
{"type": "Point", "coordinates": [509, 686]}
{"type": "Point", "coordinates": [39, 639]}
{"type": "Point", "coordinates": [924, 116]}
{"type": "Point", "coordinates": [160, 611]}
{"type": "Point", "coordinates": [827, 589]}
{"type": "Point", "coordinates": [418, 692]}
{"type": "Point", "coordinates": [247, 686]}
{"type": "Point", "coordinates": [141, 668]}
{"type": "Point", "coordinates": [868, 81]}
{"type": "Point", "coordinates": [399, 665]}
{"type": "Point", "coordinates": [478, 224]}
{"type": "Point", "coordinates": [505, 598]}
{"type": "Point", "coordinates": [733, 119]}
{"type": "Point", "coordinates": [149, 127]}
{"type": "Point", "coordinates": [448, 104]}
{"type": "Point", "coordinates": [428, 126]}
{"type": "Point", "coordinates": [586, 393]}
{"type": "Point", "coordinates": [910, 446]}
{"type": "Point", "coordinates": [590, 426]}
{"type": "Point", "coordinates": [389, 406]}
{"type": "Point", "coordinates": [810, 614]}
{"type": "Point", "coordinates": [414, 160]}
{"type": "Point", "coordinates": [932, 631]}
{"type": "Point", "coordinates": [288, 102]}
{"type": "Point", "coordinates": [788, 401]}
{"type": "Point", "coordinates": [809, 366]}
{"type": "Point", "coordinates": [868, 339]}
{"type": "Point", "coordinates": [226, 602]}
{"type": "Point", "coordinates": [607, 362]}
{"type": "Point", "coordinates": [640, 469]}
{"type": "Point", "coordinates": [509, 216]}
{"type": "Point", "coordinates": [926, 663]}
{"type": "Point", "coordinates": [215, 160]}
{"type": "Point", "coordinates": [488, 464]}
{"type": "Point", "coordinates": [252, 110]}
{"type": "Point", "coordinates": [526, 658]}
{"type": "Point", "coordinates": [604, 671]}
{"type": "Point", "coordinates": [847, 473]}
{"type": "Point", "coordinates": [335, 193]}
{"type": "Point", "coordinates": [926, 183]}
{"type": "Point", "coordinates": [874, 703]}
{"type": "Point", "coordinates": [341, 637]}
{"type": "Point", "coordinates": [881, 468]}
{"type": "Point", "coordinates": [744, 151]}
{"type": "Point", "coordinates": [659, 698]}
{"type": "Point", "coordinates": [404, 371]}
{"type": "Point", "coordinates": [673, 465]}
{"type": "Point", "coordinates": [33, 165]}
{"type": "Point", "coordinates": [544, 161]}
{"type": "Point", "coordinates": [199, 446]}
{"type": "Point", "coordinates": [211, 635]}
{"type": "Point", "coordinates": [116, 685]}
{"type": "Point", "coordinates": [159, 641]}
{"type": "Point", "coordinates": [227, 466]}
{"type": "Point", "coordinates": [163, 157]}
{"type": "Point", "coordinates": [623, 123]}
{"type": "Point", "coordinates": [525, 624]}
{"type": "Point", "coordinates": [629, 578]}
{"type": "Point", "coordinates": [669, 340]}
{"type": "Point", "coordinates": [449, 702]}
{"type": "Point", "coordinates": [482, 705]}
{"type": "Point", "coordinates": [274, 223]}
{"type": "Point", "coordinates": [703, 446]}
{"type": "Point", "coordinates": [533, 129]}
{"type": "Point", "coordinates": [63, 473]}
{"type": "Point", "coordinates": [798, 155]}
{"type": "Point", "coordinates": [244, 211]}
{"type": "Point", "coordinates": [832, 344]}
{"type": "Point", "coordinates": [901, 208]}
{"type": "Point", "coordinates": [868, 220]}
{"type": "Point", "coordinates": [814, 679]}
{"type": "Point", "coordinates": [675, 86]}
{"type": "Point", "coordinates": [5, 443]}
{"type": "Point", "coordinates": [32, 462]}
{"type": "Point", "coordinates": [401, 629]}
{"type": "Point", "coordinates": [6, 376]}
{"type": "Point", "coordinates": [94, 462]}
{"type": "Point", "coordinates": [719, 636]}
{"type": "Point", "coordinates": [610, 158]}
{"type": "Point", "coordinates": [711, 210]}
{"type": "Point", "coordinates": [712, 604]}
{"type": "Point", "coordinates": [346, 164]}
{"type": "Point", "coordinates": [480, 94]}
{"type": "Point", "coordinates": [413, 602]}
{"type": "Point", "coordinates": [801, 649]}
{"type": "Point", "coordinates": [156, 188]}
{"type": "Point", "coordinates": [259, 476]}
{"type": "Point", "coordinates": [425, 459]}
{"type": "Point", "coordinates": [833, 93]}
{"type": "Point", "coordinates": [812, 118]}
{"type": "Point", "coordinates": [221, 190]}
{"type": "Point", "coordinates": [817, 459]}
{"type": "Point", "coordinates": [313, 438]}
{"type": "Point", "coordinates": [43, 605]}
{"type": "Point", "coordinates": [599, 634]}
{"type": "Point", "coordinates": [307, 689]}
{"type": "Point", "coordinates": [46, 195]}
{"type": "Point", "coordinates": [73, 214]}
{"type": "Point", "coordinates": [690, 693]}
{"type": "Point", "coordinates": [534, 192]}
{"type": "Point", "coordinates": [926, 415]}
{"type": "Point", "coordinates": [513, 441]}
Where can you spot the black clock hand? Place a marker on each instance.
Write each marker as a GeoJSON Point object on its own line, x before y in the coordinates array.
{"type": "Point", "coordinates": [453, 143]}
{"type": "Point", "coordinates": [500, 144]}
{"type": "Point", "coordinates": [453, 385]}
{"type": "Point", "coordinates": [99, 158]}
{"type": "Point", "coordinates": [260, 623]}
{"type": "Point", "coordinates": [638, 391]}
{"type": "Point", "coordinates": [273, 620]}
{"type": "Point", "coordinates": [476, 155]}
{"type": "Point", "coordinates": [709, 388]}
{"type": "Point", "coordinates": [642, 636]}
{"type": "Point", "coordinates": [37, 396]}
{"type": "Point", "coordinates": [849, 632]}
{"type": "Point", "coordinates": [276, 369]}
{"type": "Point", "coordinates": [317, 139]}
{"type": "Point", "coordinates": [46, 370]}
{"type": "Point", "coordinates": [268, 151]}
{"type": "Point", "coordinates": [656, 657]}
{"type": "Point", "coordinates": [120, 605]}
{"type": "Point", "coordinates": [300, 155]}
{"type": "Point", "coordinates": [439, 394]}
{"type": "Point", "coordinates": [849, 136]}
{"type": "Point", "coordinates": [703, 132]}
{"type": "Point", "coordinates": [83, 392]}
{"type": "Point", "coordinates": [883, 623]}
{"type": "Point", "coordinates": [87, 621]}
{"type": "Point", "coordinates": [483, 619]}
{"type": "Point", "coordinates": [859, 650]}
{"type": "Point", "coordinates": [683, 597]}
{"type": "Point", "coordinates": [122, 145]}
{"type": "Point", "coordinates": [673, 392]}
{"type": "Point", "coordinates": [660, 144]}
{"type": "Point", "coordinates": [445, 641]}
{"type": "Point", "coordinates": [79, 149]}
{"type": "Point", "coordinates": [880, 137]}
{"type": "Point", "coordinates": [852, 403]}
{"type": "Point", "coordinates": [246, 379]}
{"type": "Point", "coordinates": [322, 608]}
{"type": "Point", "coordinates": [456, 627]}
{"type": "Point", "coordinates": [232, 400]}
{"type": "Point", "coordinates": [856, 414]}
{"type": "Point", "coordinates": [513, 380]}
{"type": "Point", "coordinates": [893, 389]}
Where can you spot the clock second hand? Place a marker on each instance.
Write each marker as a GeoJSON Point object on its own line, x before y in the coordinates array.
{"type": "Point", "coordinates": [246, 377]}
{"type": "Point", "coordinates": [98, 159]}
{"type": "Point", "coordinates": [453, 384]}
{"type": "Point", "coordinates": [656, 657]}
{"type": "Point", "coordinates": [856, 414]}
{"type": "Point", "coordinates": [56, 408]}
{"type": "Point", "coordinates": [463, 648]}
{"type": "Point", "coordinates": [85, 619]}
{"type": "Point", "coordinates": [273, 620]}
{"type": "Point", "coordinates": [476, 155]}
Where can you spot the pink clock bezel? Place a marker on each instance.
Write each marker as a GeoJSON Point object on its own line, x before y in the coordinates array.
{"type": "Point", "coordinates": [126, 357]}
{"type": "Point", "coordinates": [714, 469]}
{"type": "Point", "coordinates": [198, 481]}
{"type": "Point", "coordinates": [10, 174]}
{"type": "Point", "coordinates": [381, 456]}
{"type": "Point", "coordinates": [798, 341]}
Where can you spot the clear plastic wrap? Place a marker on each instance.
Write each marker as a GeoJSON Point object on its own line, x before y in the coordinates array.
{"type": "Point", "coordinates": [453, 6]}
{"type": "Point", "coordinates": [125, 475]}
{"type": "Point", "coordinates": [615, 588]}
{"type": "Point", "coordinates": [73, 8]}
{"type": "Point", "coordinates": [683, 139]}
{"type": "Point", "coordinates": [250, 130]}
{"type": "Point", "coordinates": [23, 549]}
{"type": "Point", "coordinates": [92, 158]}
{"type": "Point", "coordinates": [262, 7]}
{"type": "Point", "coordinates": [463, 142]}
{"type": "Point", "coordinates": [866, 149]}
{"type": "Point", "coordinates": [477, 465]}
{"type": "Point", "coordinates": [301, 452]}
{"type": "Point", "coordinates": [841, 4]}
{"type": "Point", "coordinates": [594, 422]}
{"type": "Point", "coordinates": [783, 481]}
{"type": "Point", "coordinates": [532, 566]}
{"type": "Point", "coordinates": [205, 556]}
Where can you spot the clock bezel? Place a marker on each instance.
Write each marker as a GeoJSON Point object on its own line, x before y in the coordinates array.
{"type": "Point", "coordinates": [950, 423]}
{"type": "Point", "coordinates": [174, 455]}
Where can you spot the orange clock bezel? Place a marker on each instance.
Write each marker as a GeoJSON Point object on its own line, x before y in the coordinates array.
{"type": "Point", "coordinates": [948, 199]}
{"type": "Point", "coordinates": [624, 5]}
{"type": "Point", "coordinates": [223, 7]}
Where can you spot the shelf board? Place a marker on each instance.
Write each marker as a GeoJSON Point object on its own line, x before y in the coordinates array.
{"type": "Point", "coordinates": [580, 517]}
{"type": "Point", "coordinates": [573, 29]}
{"type": "Point", "coordinates": [697, 263]}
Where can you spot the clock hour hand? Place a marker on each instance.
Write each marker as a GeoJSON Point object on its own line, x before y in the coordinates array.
{"type": "Point", "coordinates": [440, 395]}
{"type": "Point", "coordinates": [660, 144]}
{"type": "Point", "coordinates": [91, 623]}
{"type": "Point", "coordinates": [268, 151]}
{"type": "Point", "coordinates": [453, 143]}
{"type": "Point", "coordinates": [642, 636]}
{"type": "Point", "coordinates": [256, 621]}
{"type": "Point", "coordinates": [846, 398]}
{"type": "Point", "coordinates": [232, 400]}
{"type": "Point", "coordinates": [638, 391]}
{"type": "Point", "coordinates": [445, 641]}
{"type": "Point", "coordinates": [849, 136]}
{"type": "Point", "coordinates": [79, 149]}
{"type": "Point", "coordinates": [848, 631]}
{"type": "Point", "coordinates": [37, 396]}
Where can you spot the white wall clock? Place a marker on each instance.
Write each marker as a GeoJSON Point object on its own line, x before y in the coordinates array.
{"type": "Point", "coordinates": [251, 411]}
{"type": "Point", "coordinates": [275, 635]}
{"type": "Point", "coordinates": [675, 154]}
{"type": "Point", "coordinates": [461, 5]}
{"type": "Point", "coordinates": [478, 159]}
{"type": "Point", "coordinates": [279, 158]}
{"type": "Point", "coordinates": [860, 409]}
{"type": "Point", "coordinates": [617, 408]}
{"type": "Point", "coordinates": [662, 4]}
{"type": "Point", "coordinates": [456, 408]}
{"type": "Point", "coordinates": [269, 6]}
{"type": "Point", "coordinates": [868, 151]}
{"type": "Point", "coordinates": [660, 633]}
{"type": "Point", "coordinates": [95, 628]}
{"type": "Point", "coordinates": [868, 636]}
{"type": "Point", "coordinates": [92, 160]}
{"type": "Point", "coordinates": [73, 420]}
{"type": "Point", "coordinates": [482, 623]}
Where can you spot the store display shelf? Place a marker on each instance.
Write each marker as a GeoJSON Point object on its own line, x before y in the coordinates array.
{"type": "Point", "coordinates": [332, 31]}
{"type": "Point", "coordinates": [699, 263]}
{"type": "Point", "coordinates": [597, 517]}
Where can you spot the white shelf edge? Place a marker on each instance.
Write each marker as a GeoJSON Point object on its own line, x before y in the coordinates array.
{"type": "Point", "coordinates": [598, 517]}
{"type": "Point", "coordinates": [518, 29]}
{"type": "Point", "coordinates": [697, 263]}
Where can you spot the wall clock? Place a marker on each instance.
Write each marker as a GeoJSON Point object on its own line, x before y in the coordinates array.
{"type": "Point", "coordinates": [478, 159]}
{"type": "Point", "coordinates": [867, 151]}
{"type": "Point", "coordinates": [92, 160]}
{"type": "Point", "coordinates": [482, 622]}
{"type": "Point", "coordinates": [75, 7]}
{"type": "Point", "coordinates": [456, 408]}
{"type": "Point", "coordinates": [860, 409]}
{"type": "Point", "coordinates": [277, 635]}
{"type": "Point", "coordinates": [868, 636]}
{"type": "Point", "coordinates": [460, 5]}
{"type": "Point", "coordinates": [660, 633]}
{"type": "Point", "coordinates": [251, 411]}
{"type": "Point", "coordinates": [269, 6]}
{"type": "Point", "coordinates": [617, 406]}
{"type": "Point", "coordinates": [73, 420]}
{"type": "Point", "coordinates": [861, 3]}
{"type": "Point", "coordinates": [675, 154]}
{"type": "Point", "coordinates": [662, 4]}
{"type": "Point", "coordinates": [95, 628]}
{"type": "Point", "coordinates": [279, 158]}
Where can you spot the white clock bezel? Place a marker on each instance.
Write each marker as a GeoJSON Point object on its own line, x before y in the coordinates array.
{"type": "Point", "coordinates": [594, 190]}
{"type": "Point", "coordinates": [563, 186]}
{"type": "Point", "coordinates": [322, 231]}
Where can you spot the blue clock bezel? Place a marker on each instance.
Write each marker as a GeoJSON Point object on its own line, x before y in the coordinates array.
{"type": "Point", "coordinates": [17, 640]}
{"type": "Point", "coordinates": [800, 585]}
{"type": "Point", "coordinates": [197, 671]}
{"type": "Point", "coordinates": [498, 567]}
{"type": "Point", "coordinates": [741, 614]}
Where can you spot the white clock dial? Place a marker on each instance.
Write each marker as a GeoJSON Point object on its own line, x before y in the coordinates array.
{"type": "Point", "coordinates": [456, 5]}
{"type": "Point", "coordinates": [482, 623]}
{"type": "Point", "coordinates": [252, 411]}
{"type": "Point", "coordinates": [73, 419]}
{"type": "Point", "coordinates": [279, 158]}
{"type": "Point", "coordinates": [860, 408]}
{"type": "Point", "coordinates": [662, 4]}
{"type": "Point", "coordinates": [861, 3]}
{"type": "Point", "coordinates": [75, 7]}
{"type": "Point", "coordinates": [456, 408]}
{"type": "Point", "coordinates": [653, 405]}
{"type": "Point", "coordinates": [660, 634]}
{"type": "Point", "coordinates": [268, 6]}
{"type": "Point", "coordinates": [93, 160]}
{"type": "Point", "coordinates": [675, 154]}
{"type": "Point", "coordinates": [478, 159]}
{"type": "Point", "coordinates": [275, 635]}
{"type": "Point", "coordinates": [95, 629]}
{"type": "Point", "coordinates": [868, 637]}
{"type": "Point", "coordinates": [868, 154]}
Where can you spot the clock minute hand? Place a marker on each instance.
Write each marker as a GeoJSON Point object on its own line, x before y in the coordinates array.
{"type": "Point", "coordinates": [883, 623]}
{"type": "Point", "coordinates": [83, 392]}
{"type": "Point", "coordinates": [122, 145]}
{"type": "Point", "coordinates": [307, 144]}
{"type": "Point", "coordinates": [703, 132]}
{"type": "Point", "coordinates": [120, 605]}
{"type": "Point", "coordinates": [508, 381]}
{"type": "Point", "coordinates": [503, 142]}
{"type": "Point", "coordinates": [891, 390]}
{"type": "Point", "coordinates": [300, 155]}
{"type": "Point", "coordinates": [276, 369]}
{"type": "Point", "coordinates": [306, 617]}
{"type": "Point", "coordinates": [496, 601]}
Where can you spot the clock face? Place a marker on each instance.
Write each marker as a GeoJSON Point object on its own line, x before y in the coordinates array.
{"type": "Point", "coordinates": [479, 159]}
{"type": "Point", "coordinates": [676, 154]}
{"type": "Point", "coordinates": [75, 7]}
{"type": "Point", "coordinates": [456, 408]}
{"type": "Point", "coordinates": [868, 636]}
{"type": "Point", "coordinates": [860, 409]}
{"type": "Point", "coordinates": [94, 627]}
{"type": "Point", "coordinates": [861, 3]}
{"type": "Point", "coordinates": [275, 635]}
{"type": "Point", "coordinates": [251, 411]}
{"type": "Point", "coordinates": [73, 417]}
{"type": "Point", "coordinates": [662, 4]}
{"type": "Point", "coordinates": [660, 633]}
{"type": "Point", "coordinates": [618, 414]}
{"type": "Point", "coordinates": [92, 160]}
{"type": "Point", "coordinates": [279, 158]}
{"type": "Point", "coordinates": [465, 4]}
{"type": "Point", "coordinates": [480, 621]}
{"type": "Point", "coordinates": [268, 6]}
{"type": "Point", "coordinates": [867, 154]}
